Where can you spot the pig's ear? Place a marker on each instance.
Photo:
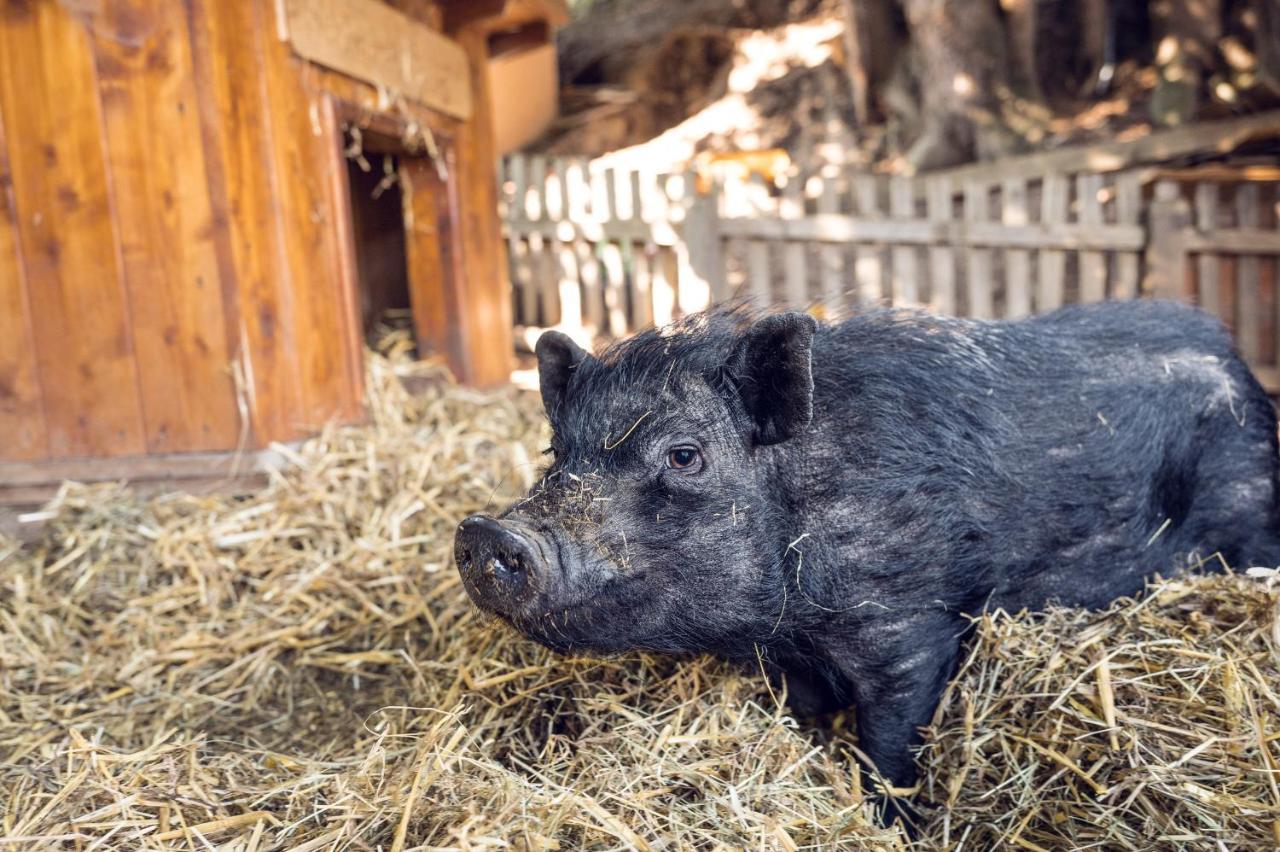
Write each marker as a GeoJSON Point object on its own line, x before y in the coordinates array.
{"type": "Point", "coordinates": [772, 368]}
{"type": "Point", "coordinates": [557, 355]}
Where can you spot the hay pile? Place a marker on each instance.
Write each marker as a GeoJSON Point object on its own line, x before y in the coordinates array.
{"type": "Point", "coordinates": [300, 669]}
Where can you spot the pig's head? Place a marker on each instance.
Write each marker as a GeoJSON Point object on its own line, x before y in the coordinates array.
{"type": "Point", "coordinates": [660, 521]}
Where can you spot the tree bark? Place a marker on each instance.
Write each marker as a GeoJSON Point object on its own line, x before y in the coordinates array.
{"type": "Point", "coordinates": [964, 71]}
{"type": "Point", "coordinates": [1186, 33]}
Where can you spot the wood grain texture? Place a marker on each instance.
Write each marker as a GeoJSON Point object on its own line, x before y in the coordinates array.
{"type": "Point", "coordinates": [234, 133]}
{"type": "Point", "coordinates": [382, 46]}
{"type": "Point", "coordinates": [430, 251]}
{"type": "Point", "coordinates": [487, 332]}
{"type": "Point", "coordinates": [23, 430]}
{"type": "Point", "coordinates": [161, 202]}
{"type": "Point", "coordinates": [82, 334]}
{"type": "Point", "coordinates": [301, 157]}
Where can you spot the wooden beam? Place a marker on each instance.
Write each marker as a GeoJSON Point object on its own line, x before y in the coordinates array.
{"type": "Point", "coordinates": [462, 13]}
{"type": "Point", "coordinates": [375, 43]}
{"type": "Point", "coordinates": [32, 483]}
{"type": "Point", "coordinates": [1219, 137]}
{"type": "Point", "coordinates": [529, 36]}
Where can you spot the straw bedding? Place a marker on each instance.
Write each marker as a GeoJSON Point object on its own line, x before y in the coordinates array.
{"type": "Point", "coordinates": [300, 668]}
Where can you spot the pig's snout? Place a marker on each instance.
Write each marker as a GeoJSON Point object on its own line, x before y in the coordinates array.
{"type": "Point", "coordinates": [500, 565]}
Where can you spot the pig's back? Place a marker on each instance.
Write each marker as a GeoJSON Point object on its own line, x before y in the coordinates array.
{"type": "Point", "coordinates": [1062, 458]}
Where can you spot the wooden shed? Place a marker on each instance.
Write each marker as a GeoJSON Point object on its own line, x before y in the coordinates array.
{"type": "Point", "coordinates": [190, 243]}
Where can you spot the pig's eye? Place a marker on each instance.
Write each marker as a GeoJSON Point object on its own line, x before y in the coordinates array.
{"type": "Point", "coordinates": [684, 459]}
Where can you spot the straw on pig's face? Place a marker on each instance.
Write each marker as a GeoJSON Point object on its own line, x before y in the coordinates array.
{"type": "Point", "coordinates": [648, 529]}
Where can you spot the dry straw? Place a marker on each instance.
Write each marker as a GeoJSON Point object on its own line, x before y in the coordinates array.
{"type": "Point", "coordinates": [300, 669]}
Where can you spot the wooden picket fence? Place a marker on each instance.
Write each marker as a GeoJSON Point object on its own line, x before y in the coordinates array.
{"type": "Point", "coordinates": [606, 253]}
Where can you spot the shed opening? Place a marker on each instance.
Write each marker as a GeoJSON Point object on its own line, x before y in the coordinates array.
{"type": "Point", "coordinates": [378, 232]}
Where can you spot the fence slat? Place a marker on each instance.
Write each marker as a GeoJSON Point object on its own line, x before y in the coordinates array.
{"type": "Point", "coordinates": [978, 260]}
{"type": "Point", "coordinates": [1053, 262]}
{"type": "Point", "coordinates": [699, 249]}
{"type": "Point", "coordinates": [1167, 217]}
{"type": "Point", "coordinates": [1093, 264]}
{"type": "Point", "coordinates": [615, 297]}
{"type": "Point", "coordinates": [903, 273]}
{"type": "Point", "coordinates": [794, 268]}
{"type": "Point", "coordinates": [665, 285]}
{"type": "Point", "coordinates": [665, 265]}
{"type": "Point", "coordinates": [942, 264]}
{"type": "Point", "coordinates": [1017, 262]}
{"type": "Point", "coordinates": [1248, 280]}
{"type": "Point", "coordinates": [538, 297]}
{"type": "Point", "coordinates": [832, 256]}
{"type": "Point", "coordinates": [525, 301]}
{"type": "Point", "coordinates": [1128, 212]}
{"type": "Point", "coordinates": [760, 279]}
{"type": "Point", "coordinates": [569, 296]}
{"type": "Point", "coordinates": [1208, 263]}
{"type": "Point", "coordinates": [867, 267]}
{"type": "Point", "coordinates": [641, 286]}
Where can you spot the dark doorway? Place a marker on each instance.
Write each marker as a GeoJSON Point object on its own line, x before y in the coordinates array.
{"type": "Point", "coordinates": [378, 231]}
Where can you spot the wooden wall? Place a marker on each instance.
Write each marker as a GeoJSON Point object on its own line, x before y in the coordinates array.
{"type": "Point", "coordinates": [174, 236]}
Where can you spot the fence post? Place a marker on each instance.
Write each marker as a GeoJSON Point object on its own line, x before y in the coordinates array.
{"type": "Point", "coordinates": [1165, 256]}
{"type": "Point", "coordinates": [702, 247]}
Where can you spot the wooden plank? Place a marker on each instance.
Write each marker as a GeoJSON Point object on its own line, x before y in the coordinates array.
{"type": "Point", "coordinates": [83, 341]}
{"type": "Point", "coordinates": [436, 292]}
{"type": "Point", "coordinates": [978, 266]}
{"type": "Point", "coordinates": [568, 285]}
{"type": "Point", "coordinates": [1093, 265]}
{"type": "Point", "coordinates": [702, 274]}
{"type": "Point", "coordinates": [375, 43]}
{"type": "Point", "coordinates": [759, 274]}
{"type": "Point", "coordinates": [22, 419]}
{"type": "Point", "coordinates": [26, 484]}
{"type": "Point", "coordinates": [300, 155]}
{"type": "Point", "coordinates": [867, 267]}
{"type": "Point", "coordinates": [795, 272]}
{"type": "Point", "coordinates": [820, 227]}
{"type": "Point", "coordinates": [1216, 136]}
{"type": "Point", "coordinates": [588, 261]}
{"type": "Point", "coordinates": [833, 276]}
{"type": "Point", "coordinates": [641, 253]}
{"type": "Point", "coordinates": [1050, 291]}
{"type": "Point", "coordinates": [1208, 263]}
{"type": "Point", "coordinates": [1248, 280]}
{"type": "Point", "coordinates": [489, 346]}
{"type": "Point", "coordinates": [333, 117]}
{"type": "Point", "coordinates": [1017, 262]}
{"type": "Point", "coordinates": [543, 292]}
{"type": "Point", "coordinates": [1167, 219]}
{"type": "Point", "coordinates": [518, 245]}
{"type": "Point", "coordinates": [615, 294]}
{"type": "Point", "coordinates": [1129, 213]}
{"type": "Point", "coordinates": [526, 308]}
{"type": "Point", "coordinates": [164, 218]}
{"type": "Point", "coordinates": [642, 286]}
{"type": "Point", "coordinates": [904, 271]}
{"type": "Point", "coordinates": [1234, 241]}
{"type": "Point", "coordinates": [233, 112]}
{"type": "Point", "coordinates": [942, 269]}
{"type": "Point", "coordinates": [666, 286]}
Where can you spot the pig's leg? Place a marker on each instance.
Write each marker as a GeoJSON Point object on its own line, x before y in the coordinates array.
{"type": "Point", "coordinates": [898, 668]}
{"type": "Point", "coordinates": [811, 692]}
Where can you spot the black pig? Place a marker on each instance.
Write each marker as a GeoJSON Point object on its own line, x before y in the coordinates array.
{"type": "Point", "coordinates": [833, 500]}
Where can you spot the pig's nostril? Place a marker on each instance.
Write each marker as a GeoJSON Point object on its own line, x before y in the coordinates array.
{"type": "Point", "coordinates": [506, 567]}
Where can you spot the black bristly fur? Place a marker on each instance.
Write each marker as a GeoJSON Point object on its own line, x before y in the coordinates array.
{"type": "Point", "coordinates": [866, 485]}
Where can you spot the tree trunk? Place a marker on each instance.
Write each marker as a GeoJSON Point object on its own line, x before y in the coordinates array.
{"type": "Point", "coordinates": [1186, 33]}
{"type": "Point", "coordinates": [963, 73]}
{"type": "Point", "coordinates": [1021, 15]}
